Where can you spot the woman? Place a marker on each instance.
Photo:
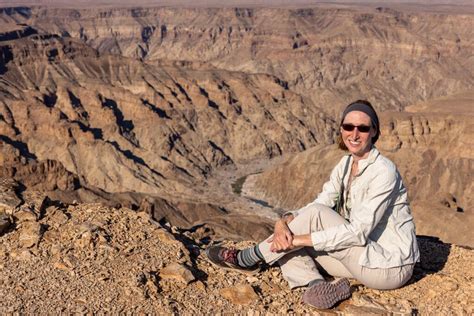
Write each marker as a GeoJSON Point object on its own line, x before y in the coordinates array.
{"type": "Point", "coordinates": [360, 225]}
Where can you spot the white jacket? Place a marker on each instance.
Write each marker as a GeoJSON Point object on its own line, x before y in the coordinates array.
{"type": "Point", "coordinates": [380, 216]}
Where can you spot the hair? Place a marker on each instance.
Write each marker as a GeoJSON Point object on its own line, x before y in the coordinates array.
{"type": "Point", "coordinates": [375, 125]}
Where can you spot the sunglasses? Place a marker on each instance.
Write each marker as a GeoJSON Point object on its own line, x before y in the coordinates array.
{"type": "Point", "coordinates": [360, 128]}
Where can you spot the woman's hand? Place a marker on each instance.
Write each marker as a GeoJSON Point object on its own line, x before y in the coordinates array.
{"type": "Point", "coordinates": [282, 238]}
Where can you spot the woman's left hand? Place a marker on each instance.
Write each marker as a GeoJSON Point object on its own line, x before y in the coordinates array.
{"type": "Point", "coordinates": [282, 238]}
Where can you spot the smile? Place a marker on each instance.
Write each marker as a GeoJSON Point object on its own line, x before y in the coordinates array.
{"type": "Point", "coordinates": [353, 142]}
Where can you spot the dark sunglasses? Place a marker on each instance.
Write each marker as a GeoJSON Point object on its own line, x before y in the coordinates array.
{"type": "Point", "coordinates": [360, 128]}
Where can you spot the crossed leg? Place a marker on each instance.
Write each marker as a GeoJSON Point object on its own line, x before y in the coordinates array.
{"type": "Point", "coordinates": [299, 267]}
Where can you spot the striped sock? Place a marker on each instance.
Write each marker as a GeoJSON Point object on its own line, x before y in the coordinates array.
{"type": "Point", "coordinates": [249, 257]}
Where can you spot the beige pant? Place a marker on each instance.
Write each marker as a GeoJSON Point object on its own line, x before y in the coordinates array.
{"type": "Point", "coordinates": [298, 266]}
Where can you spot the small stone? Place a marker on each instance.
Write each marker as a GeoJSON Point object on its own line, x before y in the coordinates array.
{"type": "Point", "coordinates": [405, 303]}
{"type": "Point", "coordinates": [24, 255]}
{"type": "Point", "coordinates": [153, 289]}
{"type": "Point", "coordinates": [391, 308]}
{"type": "Point", "coordinates": [30, 234]}
{"type": "Point", "coordinates": [80, 300]}
{"type": "Point", "coordinates": [81, 310]}
{"type": "Point", "coordinates": [103, 278]}
{"type": "Point", "coordinates": [201, 233]}
{"type": "Point", "coordinates": [102, 239]}
{"type": "Point", "coordinates": [252, 279]}
{"type": "Point", "coordinates": [61, 266]}
{"type": "Point", "coordinates": [25, 215]}
{"type": "Point", "coordinates": [8, 197]}
{"type": "Point", "coordinates": [177, 272]}
{"type": "Point", "coordinates": [450, 285]}
{"type": "Point", "coordinates": [353, 310]}
{"type": "Point", "coordinates": [88, 227]}
{"type": "Point", "coordinates": [179, 254]}
{"type": "Point", "coordinates": [139, 236]}
{"type": "Point", "coordinates": [166, 237]}
{"type": "Point", "coordinates": [129, 249]}
{"type": "Point", "coordinates": [431, 293]}
{"type": "Point", "coordinates": [144, 216]}
{"type": "Point", "coordinates": [85, 241]}
{"type": "Point", "coordinates": [106, 249]}
{"type": "Point", "coordinates": [201, 286]}
{"type": "Point", "coordinates": [70, 261]}
{"type": "Point", "coordinates": [269, 288]}
{"type": "Point", "coordinates": [367, 301]}
{"type": "Point", "coordinates": [242, 294]}
{"type": "Point", "coordinates": [55, 249]}
{"type": "Point", "coordinates": [58, 218]}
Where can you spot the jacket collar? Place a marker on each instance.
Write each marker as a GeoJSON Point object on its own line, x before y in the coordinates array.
{"type": "Point", "coordinates": [364, 163]}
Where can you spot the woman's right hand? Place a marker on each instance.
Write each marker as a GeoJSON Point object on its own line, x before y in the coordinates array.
{"type": "Point", "coordinates": [282, 238]}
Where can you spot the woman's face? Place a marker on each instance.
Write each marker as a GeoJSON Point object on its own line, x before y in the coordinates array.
{"type": "Point", "coordinates": [357, 142]}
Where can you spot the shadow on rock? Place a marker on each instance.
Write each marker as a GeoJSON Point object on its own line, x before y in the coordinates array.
{"type": "Point", "coordinates": [189, 238]}
{"type": "Point", "coordinates": [433, 257]}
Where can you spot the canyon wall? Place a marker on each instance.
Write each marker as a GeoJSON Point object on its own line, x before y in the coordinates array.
{"type": "Point", "coordinates": [106, 103]}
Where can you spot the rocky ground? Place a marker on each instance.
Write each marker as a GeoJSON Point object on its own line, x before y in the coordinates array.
{"type": "Point", "coordinates": [87, 258]}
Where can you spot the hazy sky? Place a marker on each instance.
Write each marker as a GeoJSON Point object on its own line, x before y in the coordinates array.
{"type": "Point", "coordinates": [226, 2]}
{"type": "Point", "coordinates": [460, 6]}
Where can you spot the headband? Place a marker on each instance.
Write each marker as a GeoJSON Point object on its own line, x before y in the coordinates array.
{"type": "Point", "coordinates": [365, 109]}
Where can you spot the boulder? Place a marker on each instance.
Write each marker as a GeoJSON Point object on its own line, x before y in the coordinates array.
{"type": "Point", "coordinates": [242, 294]}
{"type": "Point", "coordinates": [179, 272]}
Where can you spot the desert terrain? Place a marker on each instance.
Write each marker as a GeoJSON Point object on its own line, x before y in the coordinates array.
{"type": "Point", "coordinates": [133, 136]}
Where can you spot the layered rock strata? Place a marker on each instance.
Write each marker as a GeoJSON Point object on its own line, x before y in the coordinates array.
{"type": "Point", "coordinates": [328, 54]}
